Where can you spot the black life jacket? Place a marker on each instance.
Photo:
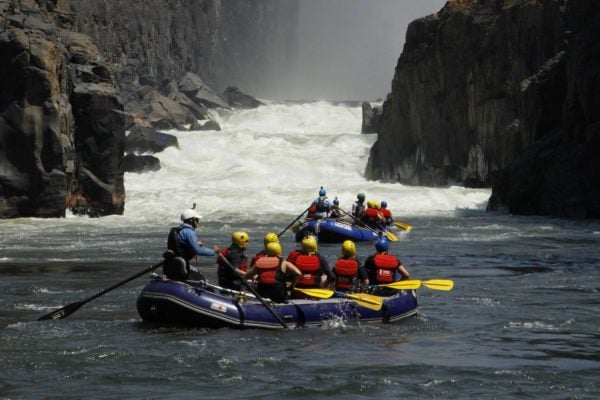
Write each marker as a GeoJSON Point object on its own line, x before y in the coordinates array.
{"type": "Point", "coordinates": [175, 246]}
{"type": "Point", "coordinates": [322, 205]}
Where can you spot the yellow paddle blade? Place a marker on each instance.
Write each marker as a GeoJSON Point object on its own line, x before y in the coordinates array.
{"type": "Point", "coordinates": [367, 300]}
{"type": "Point", "coordinates": [439, 284]}
{"type": "Point", "coordinates": [404, 285]}
{"type": "Point", "coordinates": [319, 293]}
{"type": "Point", "coordinates": [402, 225]}
{"type": "Point", "coordinates": [390, 235]}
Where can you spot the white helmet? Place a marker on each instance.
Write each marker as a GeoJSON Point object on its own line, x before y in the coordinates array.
{"type": "Point", "coordinates": [189, 213]}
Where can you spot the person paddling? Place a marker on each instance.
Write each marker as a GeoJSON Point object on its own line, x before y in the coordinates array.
{"type": "Point", "coordinates": [270, 237]}
{"type": "Point", "coordinates": [320, 207]}
{"type": "Point", "coordinates": [314, 267]}
{"type": "Point", "coordinates": [348, 270]}
{"type": "Point", "coordinates": [183, 246]}
{"type": "Point", "coordinates": [274, 274]}
{"type": "Point", "coordinates": [230, 278]}
{"type": "Point", "coordinates": [383, 267]}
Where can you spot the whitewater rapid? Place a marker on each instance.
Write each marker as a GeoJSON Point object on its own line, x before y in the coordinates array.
{"type": "Point", "coordinates": [271, 161]}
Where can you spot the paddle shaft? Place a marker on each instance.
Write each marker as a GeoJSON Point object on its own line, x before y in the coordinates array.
{"type": "Point", "coordinates": [254, 292]}
{"type": "Point", "coordinates": [435, 284]}
{"type": "Point", "coordinates": [71, 308]}
{"type": "Point", "coordinates": [293, 222]}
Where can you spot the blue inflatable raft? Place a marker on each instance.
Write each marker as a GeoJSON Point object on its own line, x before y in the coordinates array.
{"type": "Point", "coordinates": [199, 304]}
{"type": "Point", "coordinates": [334, 231]}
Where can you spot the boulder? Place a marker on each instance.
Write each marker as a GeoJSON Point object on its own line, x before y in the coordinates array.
{"type": "Point", "coordinates": [193, 87]}
{"type": "Point", "coordinates": [143, 139]}
{"type": "Point", "coordinates": [235, 98]}
{"type": "Point", "coordinates": [139, 164]}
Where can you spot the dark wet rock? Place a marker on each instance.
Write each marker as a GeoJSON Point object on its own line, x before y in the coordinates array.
{"type": "Point", "coordinates": [498, 93]}
{"type": "Point", "coordinates": [140, 163]}
{"type": "Point", "coordinates": [194, 87]}
{"type": "Point", "coordinates": [143, 139]}
{"type": "Point", "coordinates": [371, 118]}
{"type": "Point", "coordinates": [62, 126]}
{"type": "Point", "coordinates": [237, 99]}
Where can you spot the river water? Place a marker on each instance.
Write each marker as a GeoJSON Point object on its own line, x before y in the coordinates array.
{"type": "Point", "coordinates": [522, 321]}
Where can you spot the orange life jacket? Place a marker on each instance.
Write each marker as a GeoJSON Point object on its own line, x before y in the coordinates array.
{"type": "Point", "coordinates": [267, 269]}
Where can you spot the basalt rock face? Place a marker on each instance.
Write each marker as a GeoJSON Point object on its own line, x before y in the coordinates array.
{"type": "Point", "coordinates": [62, 127]}
{"type": "Point", "coordinates": [559, 174]}
{"type": "Point", "coordinates": [479, 82]}
{"type": "Point", "coordinates": [77, 73]}
{"type": "Point", "coordinates": [453, 116]}
{"type": "Point", "coordinates": [224, 42]}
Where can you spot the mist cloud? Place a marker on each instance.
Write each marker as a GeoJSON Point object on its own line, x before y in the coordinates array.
{"type": "Point", "coordinates": [348, 49]}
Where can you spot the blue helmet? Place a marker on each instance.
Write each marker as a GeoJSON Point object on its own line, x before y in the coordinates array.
{"type": "Point", "coordinates": [383, 203]}
{"type": "Point", "coordinates": [322, 192]}
{"type": "Point", "coordinates": [382, 245]}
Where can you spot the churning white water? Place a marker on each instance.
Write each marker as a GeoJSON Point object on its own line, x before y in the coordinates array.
{"type": "Point", "coordinates": [264, 167]}
{"type": "Point", "coordinates": [271, 161]}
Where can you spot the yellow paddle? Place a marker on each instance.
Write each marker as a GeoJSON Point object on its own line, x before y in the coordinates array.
{"type": "Point", "coordinates": [318, 293]}
{"type": "Point", "coordinates": [402, 225]}
{"type": "Point", "coordinates": [363, 299]}
{"type": "Point", "coordinates": [435, 284]}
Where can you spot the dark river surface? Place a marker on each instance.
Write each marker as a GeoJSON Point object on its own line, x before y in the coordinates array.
{"type": "Point", "coordinates": [523, 320]}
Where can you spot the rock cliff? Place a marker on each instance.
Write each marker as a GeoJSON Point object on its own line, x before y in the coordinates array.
{"type": "Point", "coordinates": [62, 127]}
{"type": "Point", "coordinates": [78, 73]}
{"type": "Point", "coordinates": [479, 82]}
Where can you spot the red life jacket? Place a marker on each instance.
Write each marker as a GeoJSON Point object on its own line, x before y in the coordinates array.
{"type": "Point", "coordinates": [292, 256]}
{"type": "Point", "coordinates": [386, 213]}
{"type": "Point", "coordinates": [267, 269]}
{"type": "Point", "coordinates": [309, 265]}
{"type": "Point", "coordinates": [345, 270]}
{"type": "Point", "coordinates": [223, 265]}
{"type": "Point", "coordinates": [385, 266]}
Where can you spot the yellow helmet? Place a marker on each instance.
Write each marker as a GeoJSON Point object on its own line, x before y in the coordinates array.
{"type": "Point", "coordinates": [348, 248]}
{"type": "Point", "coordinates": [273, 249]}
{"type": "Point", "coordinates": [271, 237]}
{"type": "Point", "coordinates": [377, 205]}
{"type": "Point", "coordinates": [240, 238]}
{"type": "Point", "coordinates": [370, 204]}
{"type": "Point", "coordinates": [309, 244]}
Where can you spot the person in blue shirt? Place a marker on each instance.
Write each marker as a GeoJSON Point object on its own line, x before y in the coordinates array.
{"type": "Point", "coordinates": [320, 207]}
{"type": "Point", "coordinates": [182, 246]}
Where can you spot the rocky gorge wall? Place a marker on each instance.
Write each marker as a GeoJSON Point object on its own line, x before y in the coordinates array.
{"type": "Point", "coordinates": [225, 42]}
{"type": "Point", "coordinates": [78, 73]}
{"type": "Point", "coordinates": [478, 84]}
{"type": "Point", "coordinates": [61, 122]}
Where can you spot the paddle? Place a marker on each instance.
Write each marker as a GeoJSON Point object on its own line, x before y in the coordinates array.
{"type": "Point", "coordinates": [318, 293]}
{"type": "Point", "coordinates": [293, 222]}
{"type": "Point", "coordinates": [254, 292]}
{"type": "Point", "coordinates": [363, 299]}
{"type": "Point", "coordinates": [71, 308]}
{"type": "Point", "coordinates": [402, 225]}
{"type": "Point", "coordinates": [390, 235]}
{"type": "Point", "coordinates": [435, 284]}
